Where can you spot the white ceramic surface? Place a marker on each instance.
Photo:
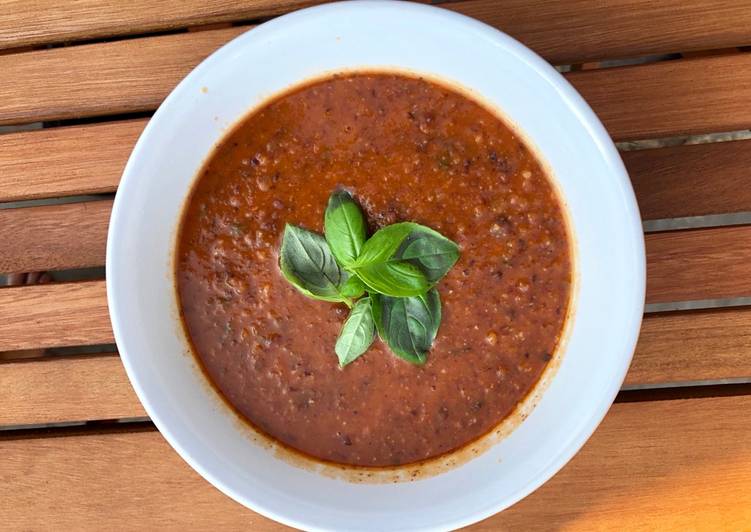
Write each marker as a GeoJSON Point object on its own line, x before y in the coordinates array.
{"type": "Point", "coordinates": [608, 246]}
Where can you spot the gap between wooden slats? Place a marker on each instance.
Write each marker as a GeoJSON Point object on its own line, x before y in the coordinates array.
{"type": "Point", "coordinates": [564, 31]}
{"type": "Point", "coordinates": [672, 98]}
{"type": "Point", "coordinates": [676, 464]}
{"type": "Point", "coordinates": [673, 347]}
{"type": "Point", "coordinates": [673, 182]}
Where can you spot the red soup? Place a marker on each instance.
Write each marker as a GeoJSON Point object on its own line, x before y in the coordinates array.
{"type": "Point", "coordinates": [409, 150]}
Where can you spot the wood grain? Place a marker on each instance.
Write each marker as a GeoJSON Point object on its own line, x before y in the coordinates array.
{"type": "Point", "coordinates": [673, 348]}
{"type": "Point", "coordinates": [691, 180]}
{"type": "Point", "coordinates": [131, 75]}
{"type": "Point", "coordinates": [699, 264]}
{"type": "Point", "coordinates": [657, 465]}
{"type": "Point", "coordinates": [24, 23]}
{"type": "Point", "coordinates": [674, 97]}
{"type": "Point", "coordinates": [65, 161]}
{"type": "Point", "coordinates": [54, 389]}
{"type": "Point", "coordinates": [575, 31]}
{"type": "Point", "coordinates": [677, 347]}
{"type": "Point", "coordinates": [54, 315]}
{"type": "Point", "coordinates": [678, 465]}
{"type": "Point", "coordinates": [668, 465]}
{"type": "Point", "coordinates": [682, 97]}
{"type": "Point", "coordinates": [54, 237]}
{"type": "Point", "coordinates": [669, 182]}
{"type": "Point", "coordinates": [563, 31]}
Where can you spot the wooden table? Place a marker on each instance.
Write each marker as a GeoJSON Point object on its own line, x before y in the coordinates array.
{"type": "Point", "coordinates": [673, 453]}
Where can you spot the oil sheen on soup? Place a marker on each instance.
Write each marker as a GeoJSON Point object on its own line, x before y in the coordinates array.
{"type": "Point", "coordinates": [408, 149]}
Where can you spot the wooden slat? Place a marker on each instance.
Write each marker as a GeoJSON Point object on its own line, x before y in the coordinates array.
{"type": "Point", "coordinates": [668, 465]}
{"type": "Point", "coordinates": [562, 30]}
{"type": "Point", "coordinates": [673, 347]}
{"type": "Point", "coordinates": [692, 180]}
{"type": "Point", "coordinates": [677, 465]}
{"type": "Point", "coordinates": [54, 237]}
{"type": "Point", "coordinates": [675, 97]}
{"type": "Point", "coordinates": [669, 182]}
{"type": "Point", "coordinates": [24, 23]}
{"type": "Point", "coordinates": [54, 315]}
{"type": "Point", "coordinates": [57, 389]}
{"type": "Point", "coordinates": [707, 345]}
{"type": "Point", "coordinates": [689, 96]}
{"type": "Point", "coordinates": [104, 78]}
{"type": "Point", "coordinates": [699, 264]}
{"type": "Point", "coordinates": [573, 31]}
{"type": "Point", "coordinates": [65, 161]}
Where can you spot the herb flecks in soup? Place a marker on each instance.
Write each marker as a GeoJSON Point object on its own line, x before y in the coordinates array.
{"type": "Point", "coordinates": [408, 150]}
{"type": "Point", "coordinates": [397, 267]}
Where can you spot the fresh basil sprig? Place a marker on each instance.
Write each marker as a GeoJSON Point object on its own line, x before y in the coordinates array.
{"type": "Point", "coordinates": [398, 267]}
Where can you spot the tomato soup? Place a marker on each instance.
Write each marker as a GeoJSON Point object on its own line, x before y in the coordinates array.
{"type": "Point", "coordinates": [408, 149]}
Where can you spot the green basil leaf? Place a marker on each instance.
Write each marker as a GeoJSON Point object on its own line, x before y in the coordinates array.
{"type": "Point", "coordinates": [429, 250]}
{"type": "Point", "coordinates": [397, 279]}
{"type": "Point", "coordinates": [307, 262]}
{"type": "Point", "coordinates": [383, 274]}
{"type": "Point", "coordinates": [344, 225]}
{"type": "Point", "coordinates": [357, 333]}
{"type": "Point", "coordinates": [432, 303]}
{"type": "Point", "coordinates": [354, 287]}
{"type": "Point", "coordinates": [408, 325]}
{"type": "Point", "coordinates": [384, 243]}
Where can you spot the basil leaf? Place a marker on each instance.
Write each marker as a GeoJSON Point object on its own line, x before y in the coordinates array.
{"type": "Point", "coordinates": [357, 333]}
{"type": "Point", "coordinates": [344, 226]}
{"type": "Point", "coordinates": [384, 243]}
{"type": "Point", "coordinates": [354, 287]}
{"type": "Point", "coordinates": [432, 252]}
{"type": "Point", "coordinates": [432, 303]}
{"type": "Point", "coordinates": [307, 262]}
{"type": "Point", "coordinates": [397, 279]}
{"type": "Point", "coordinates": [408, 325]}
{"type": "Point", "coordinates": [380, 272]}
{"type": "Point", "coordinates": [405, 243]}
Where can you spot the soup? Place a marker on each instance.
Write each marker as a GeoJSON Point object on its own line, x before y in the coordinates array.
{"type": "Point", "coordinates": [408, 149]}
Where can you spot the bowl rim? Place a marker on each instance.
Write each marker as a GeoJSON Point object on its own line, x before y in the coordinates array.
{"type": "Point", "coordinates": [578, 106]}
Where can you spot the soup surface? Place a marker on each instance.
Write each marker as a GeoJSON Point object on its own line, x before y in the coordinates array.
{"type": "Point", "coordinates": [408, 150]}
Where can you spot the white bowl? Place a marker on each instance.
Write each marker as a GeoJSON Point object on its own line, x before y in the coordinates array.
{"type": "Point", "coordinates": [608, 250]}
